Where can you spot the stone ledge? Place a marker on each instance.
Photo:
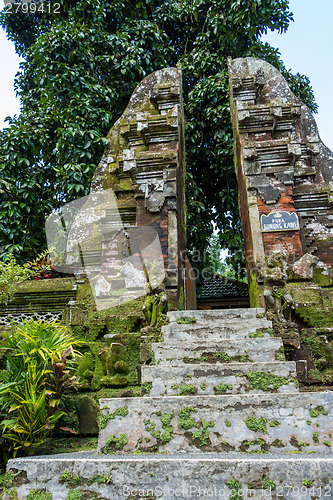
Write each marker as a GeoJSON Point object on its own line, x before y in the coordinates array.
{"type": "Point", "coordinates": [191, 476]}
{"type": "Point", "coordinates": [249, 422]}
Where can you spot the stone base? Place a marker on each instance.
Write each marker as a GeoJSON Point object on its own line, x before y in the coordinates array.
{"type": "Point", "coordinates": [212, 476]}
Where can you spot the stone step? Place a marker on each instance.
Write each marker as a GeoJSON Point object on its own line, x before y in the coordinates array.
{"type": "Point", "coordinates": [233, 378]}
{"type": "Point", "coordinates": [244, 423]}
{"type": "Point", "coordinates": [204, 316]}
{"type": "Point", "coordinates": [214, 476]}
{"type": "Point", "coordinates": [223, 351]}
{"type": "Point", "coordinates": [213, 331]}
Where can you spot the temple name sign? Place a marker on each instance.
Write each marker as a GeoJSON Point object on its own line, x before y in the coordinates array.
{"type": "Point", "coordinates": [279, 221]}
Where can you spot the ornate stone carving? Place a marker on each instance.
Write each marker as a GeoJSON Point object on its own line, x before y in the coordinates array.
{"type": "Point", "coordinates": [281, 165]}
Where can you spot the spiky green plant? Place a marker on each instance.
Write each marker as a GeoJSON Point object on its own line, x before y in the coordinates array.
{"type": "Point", "coordinates": [40, 359]}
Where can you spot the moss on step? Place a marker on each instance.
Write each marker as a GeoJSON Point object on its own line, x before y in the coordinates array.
{"type": "Point", "coordinates": [222, 388]}
{"type": "Point", "coordinates": [114, 443]}
{"type": "Point", "coordinates": [259, 333]}
{"type": "Point", "coordinates": [267, 382]}
{"type": "Point", "coordinates": [280, 354]}
{"type": "Point", "coordinates": [185, 420]}
{"type": "Point", "coordinates": [312, 304]}
{"type": "Point", "coordinates": [105, 419]}
{"type": "Point", "coordinates": [185, 389]}
{"type": "Point", "coordinates": [319, 410]}
{"type": "Point", "coordinates": [256, 424]}
{"type": "Point", "coordinates": [39, 495]}
{"type": "Point", "coordinates": [186, 320]}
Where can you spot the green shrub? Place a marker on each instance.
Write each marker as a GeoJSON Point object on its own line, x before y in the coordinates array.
{"type": "Point", "coordinates": [40, 359]}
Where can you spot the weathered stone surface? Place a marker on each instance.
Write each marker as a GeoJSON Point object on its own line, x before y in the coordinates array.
{"type": "Point", "coordinates": [282, 165]}
{"type": "Point", "coordinates": [44, 299]}
{"type": "Point", "coordinates": [230, 378]}
{"type": "Point", "coordinates": [194, 426]}
{"type": "Point", "coordinates": [193, 477]}
{"type": "Point", "coordinates": [285, 429]}
{"type": "Point", "coordinates": [144, 165]}
{"type": "Point", "coordinates": [215, 332]}
{"type": "Point", "coordinates": [303, 267]}
{"type": "Point", "coordinates": [262, 350]}
{"type": "Point", "coordinates": [202, 317]}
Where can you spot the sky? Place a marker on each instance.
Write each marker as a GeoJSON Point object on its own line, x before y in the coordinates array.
{"type": "Point", "coordinates": [305, 48]}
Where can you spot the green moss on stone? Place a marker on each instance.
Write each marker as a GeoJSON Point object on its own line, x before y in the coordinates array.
{"type": "Point", "coordinates": [319, 410]}
{"type": "Point", "coordinates": [223, 356]}
{"type": "Point", "coordinates": [186, 320]}
{"type": "Point", "coordinates": [185, 420]}
{"type": "Point", "coordinates": [280, 355]}
{"type": "Point", "coordinates": [74, 495]}
{"type": "Point", "coordinates": [313, 305]}
{"type": "Point", "coordinates": [274, 423]}
{"type": "Point", "coordinates": [105, 419]}
{"type": "Point", "coordinates": [266, 382]}
{"type": "Point", "coordinates": [39, 495]}
{"type": "Point", "coordinates": [236, 488]}
{"type": "Point", "coordinates": [71, 480]}
{"type": "Point", "coordinates": [256, 424]}
{"type": "Point", "coordinates": [114, 443]}
{"type": "Point", "coordinates": [222, 388]}
{"type": "Point", "coordinates": [146, 387]}
{"type": "Point", "coordinates": [315, 437]}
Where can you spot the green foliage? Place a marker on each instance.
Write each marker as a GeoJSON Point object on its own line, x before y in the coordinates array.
{"type": "Point", "coordinates": [114, 443]}
{"type": "Point", "coordinates": [39, 361]}
{"type": "Point", "coordinates": [222, 388]}
{"type": "Point", "coordinates": [100, 479]}
{"type": "Point", "coordinates": [12, 273]}
{"type": "Point", "coordinates": [265, 381]}
{"type": "Point", "coordinates": [70, 479]}
{"type": "Point", "coordinates": [74, 495]}
{"type": "Point", "coordinates": [319, 410]}
{"type": "Point", "coordinates": [146, 387]}
{"type": "Point", "coordinates": [39, 495]}
{"type": "Point", "coordinates": [185, 420]}
{"type": "Point", "coordinates": [202, 434]}
{"type": "Point", "coordinates": [186, 321]}
{"type": "Point", "coordinates": [274, 423]}
{"type": "Point", "coordinates": [7, 480]}
{"type": "Point", "coordinates": [256, 424]}
{"type": "Point", "coordinates": [268, 484]}
{"type": "Point", "coordinates": [315, 437]}
{"type": "Point", "coordinates": [105, 419]}
{"type": "Point", "coordinates": [236, 488]}
{"type": "Point", "coordinates": [80, 68]}
{"type": "Point", "coordinates": [185, 389]}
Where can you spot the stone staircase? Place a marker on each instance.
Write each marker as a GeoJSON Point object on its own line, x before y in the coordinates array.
{"type": "Point", "coordinates": [222, 418]}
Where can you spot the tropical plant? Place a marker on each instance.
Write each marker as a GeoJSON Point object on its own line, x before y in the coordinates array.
{"type": "Point", "coordinates": [12, 273]}
{"type": "Point", "coordinates": [81, 66]}
{"type": "Point", "coordinates": [40, 360]}
{"type": "Point", "coordinates": [28, 426]}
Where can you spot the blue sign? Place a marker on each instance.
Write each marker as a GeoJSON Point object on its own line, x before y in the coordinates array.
{"type": "Point", "coordinates": [279, 221]}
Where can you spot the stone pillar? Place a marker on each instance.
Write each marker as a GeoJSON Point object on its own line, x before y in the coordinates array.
{"type": "Point", "coordinates": [284, 176]}
{"type": "Point", "coordinates": [144, 165]}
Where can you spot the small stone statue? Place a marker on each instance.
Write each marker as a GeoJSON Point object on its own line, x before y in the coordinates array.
{"type": "Point", "coordinates": [280, 301]}
{"type": "Point", "coordinates": [154, 306]}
